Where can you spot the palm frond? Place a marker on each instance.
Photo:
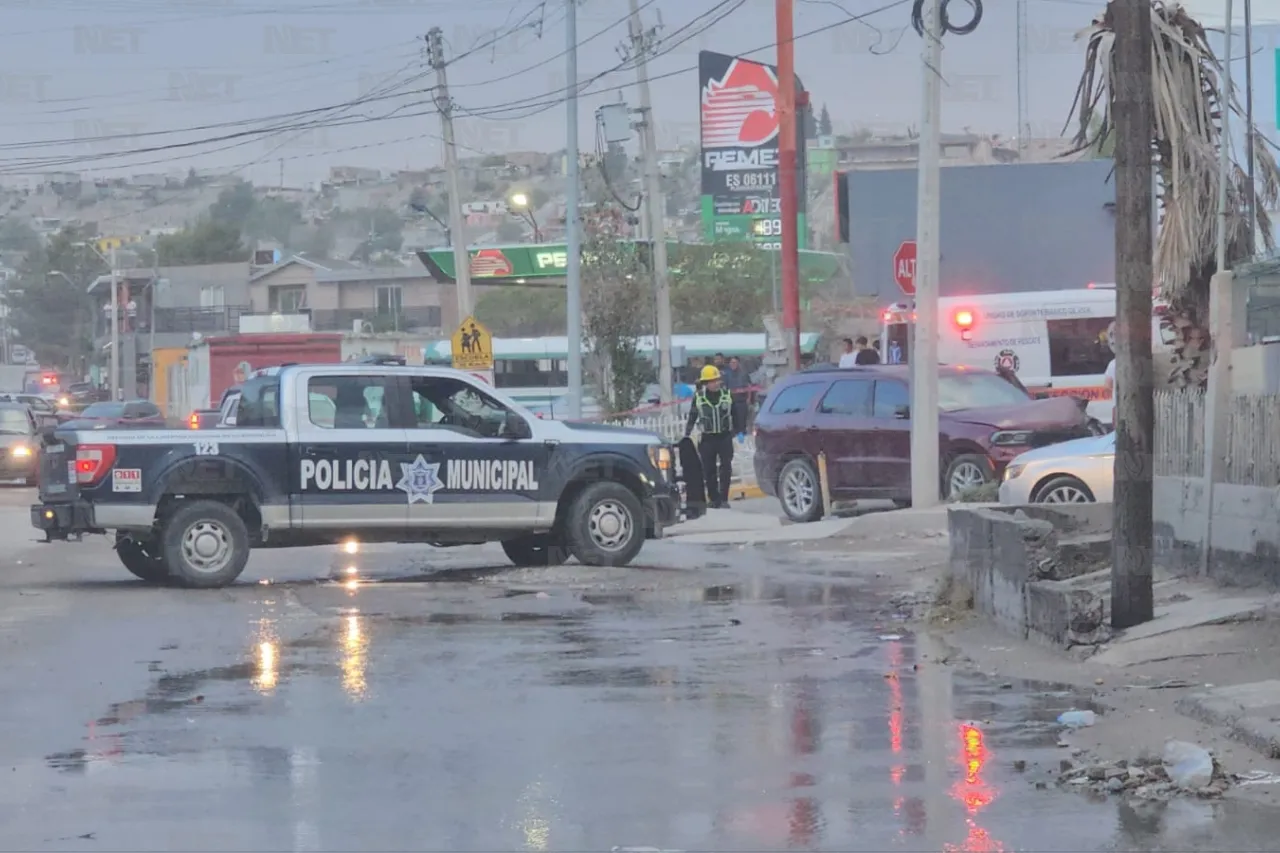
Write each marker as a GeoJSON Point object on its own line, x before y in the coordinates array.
{"type": "Point", "coordinates": [1190, 99]}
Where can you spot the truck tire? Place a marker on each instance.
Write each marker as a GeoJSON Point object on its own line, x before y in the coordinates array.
{"type": "Point", "coordinates": [138, 559]}
{"type": "Point", "coordinates": [604, 525]}
{"type": "Point", "coordinates": [535, 550]}
{"type": "Point", "coordinates": [205, 544]}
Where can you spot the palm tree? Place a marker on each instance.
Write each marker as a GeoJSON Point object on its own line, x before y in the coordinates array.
{"type": "Point", "coordinates": [1189, 101]}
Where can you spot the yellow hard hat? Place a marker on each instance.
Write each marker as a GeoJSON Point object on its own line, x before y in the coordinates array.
{"type": "Point", "coordinates": [710, 373]}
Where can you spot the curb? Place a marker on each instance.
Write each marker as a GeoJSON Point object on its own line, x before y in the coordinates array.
{"type": "Point", "coordinates": [739, 493]}
{"type": "Point", "coordinates": [1260, 735]}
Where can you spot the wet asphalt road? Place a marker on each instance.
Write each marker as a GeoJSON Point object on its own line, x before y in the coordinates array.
{"type": "Point", "coordinates": [711, 699]}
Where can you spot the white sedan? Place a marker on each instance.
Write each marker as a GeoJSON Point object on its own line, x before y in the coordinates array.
{"type": "Point", "coordinates": [1073, 472]}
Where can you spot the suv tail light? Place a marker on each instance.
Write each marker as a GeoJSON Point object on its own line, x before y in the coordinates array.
{"type": "Point", "coordinates": [93, 461]}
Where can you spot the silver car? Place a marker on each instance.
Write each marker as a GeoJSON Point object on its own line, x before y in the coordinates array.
{"type": "Point", "coordinates": [1078, 471]}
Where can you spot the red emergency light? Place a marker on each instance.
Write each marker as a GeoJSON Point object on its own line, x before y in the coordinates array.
{"type": "Point", "coordinates": [964, 322]}
{"type": "Point", "coordinates": [49, 379]}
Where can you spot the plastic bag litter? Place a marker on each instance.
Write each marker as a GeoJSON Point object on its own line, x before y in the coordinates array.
{"type": "Point", "coordinates": [1077, 719]}
{"type": "Point", "coordinates": [1188, 765]}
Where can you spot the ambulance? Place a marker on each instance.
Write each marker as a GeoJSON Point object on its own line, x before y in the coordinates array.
{"type": "Point", "coordinates": [1057, 342]}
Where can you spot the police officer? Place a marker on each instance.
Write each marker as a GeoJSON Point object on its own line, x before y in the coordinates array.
{"type": "Point", "coordinates": [712, 411]}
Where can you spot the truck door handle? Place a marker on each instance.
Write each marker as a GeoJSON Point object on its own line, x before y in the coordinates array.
{"type": "Point", "coordinates": [321, 451]}
{"type": "Point", "coordinates": [813, 428]}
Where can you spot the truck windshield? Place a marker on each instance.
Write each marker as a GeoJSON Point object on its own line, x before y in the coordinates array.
{"type": "Point", "coordinates": [977, 391]}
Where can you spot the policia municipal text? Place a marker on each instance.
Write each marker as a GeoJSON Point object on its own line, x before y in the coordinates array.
{"type": "Point", "coordinates": [712, 412]}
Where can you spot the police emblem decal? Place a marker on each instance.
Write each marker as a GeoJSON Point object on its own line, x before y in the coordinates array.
{"type": "Point", "coordinates": [420, 480]}
{"type": "Point", "coordinates": [1008, 360]}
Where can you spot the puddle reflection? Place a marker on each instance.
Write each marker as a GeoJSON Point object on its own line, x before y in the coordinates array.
{"type": "Point", "coordinates": [355, 647]}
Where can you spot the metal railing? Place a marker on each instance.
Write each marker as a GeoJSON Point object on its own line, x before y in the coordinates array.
{"type": "Point", "coordinates": [428, 318]}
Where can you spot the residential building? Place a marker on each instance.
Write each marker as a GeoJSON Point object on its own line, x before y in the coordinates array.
{"type": "Point", "coordinates": [338, 294]}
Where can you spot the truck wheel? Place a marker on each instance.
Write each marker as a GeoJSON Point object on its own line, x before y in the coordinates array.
{"type": "Point", "coordinates": [535, 550]}
{"type": "Point", "coordinates": [605, 525]}
{"type": "Point", "coordinates": [139, 560]}
{"type": "Point", "coordinates": [205, 544]}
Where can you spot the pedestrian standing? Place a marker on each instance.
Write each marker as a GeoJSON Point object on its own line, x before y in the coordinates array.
{"type": "Point", "coordinates": [866, 355]}
{"type": "Point", "coordinates": [849, 357]}
{"type": "Point", "coordinates": [712, 413]}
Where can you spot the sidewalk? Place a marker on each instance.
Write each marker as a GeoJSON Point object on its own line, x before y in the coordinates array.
{"type": "Point", "coordinates": [760, 520]}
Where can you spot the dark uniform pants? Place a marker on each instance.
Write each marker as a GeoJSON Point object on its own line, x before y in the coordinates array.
{"type": "Point", "coordinates": [716, 450]}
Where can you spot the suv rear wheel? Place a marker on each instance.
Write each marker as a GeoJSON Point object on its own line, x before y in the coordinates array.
{"type": "Point", "coordinates": [139, 557]}
{"type": "Point", "coordinates": [799, 491]}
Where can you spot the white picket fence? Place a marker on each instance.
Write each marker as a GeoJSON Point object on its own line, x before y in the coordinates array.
{"type": "Point", "coordinates": [670, 422]}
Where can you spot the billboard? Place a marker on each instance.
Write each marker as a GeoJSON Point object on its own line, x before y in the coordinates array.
{"type": "Point", "coordinates": [1006, 228]}
{"type": "Point", "coordinates": [740, 135]}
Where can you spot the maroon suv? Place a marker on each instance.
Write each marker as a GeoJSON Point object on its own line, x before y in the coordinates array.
{"type": "Point", "coordinates": [861, 418]}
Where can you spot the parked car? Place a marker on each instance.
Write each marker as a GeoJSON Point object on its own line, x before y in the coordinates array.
{"type": "Point", "coordinates": [1074, 472]}
{"type": "Point", "coordinates": [861, 418]}
{"type": "Point", "coordinates": [19, 442]}
{"type": "Point", "coordinates": [131, 413]}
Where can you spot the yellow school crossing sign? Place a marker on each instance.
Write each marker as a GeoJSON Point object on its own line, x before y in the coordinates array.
{"type": "Point", "coordinates": [472, 346]}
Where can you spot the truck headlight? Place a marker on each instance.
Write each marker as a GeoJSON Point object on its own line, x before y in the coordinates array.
{"type": "Point", "coordinates": [660, 457]}
{"type": "Point", "coordinates": [1013, 471]}
{"type": "Point", "coordinates": [20, 452]}
{"type": "Point", "coordinates": [1011, 438]}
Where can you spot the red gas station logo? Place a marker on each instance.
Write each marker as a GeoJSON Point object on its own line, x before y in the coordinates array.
{"type": "Point", "coordinates": [490, 263]}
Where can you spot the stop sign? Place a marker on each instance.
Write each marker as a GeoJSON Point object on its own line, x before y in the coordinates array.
{"type": "Point", "coordinates": [904, 267]}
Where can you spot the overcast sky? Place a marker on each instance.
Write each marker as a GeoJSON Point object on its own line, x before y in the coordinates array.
{"type": "Point", "coordinates": [77, 71]}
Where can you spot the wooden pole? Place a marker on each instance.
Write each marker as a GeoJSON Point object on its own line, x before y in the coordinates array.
{"type": "Point", "coordinates": [1132, 534]}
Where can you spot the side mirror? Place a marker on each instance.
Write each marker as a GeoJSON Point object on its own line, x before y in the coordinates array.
{"type": "Point", "coordinates": [902, 413]}
{"type": "Point", "coordinates": [515, 427]}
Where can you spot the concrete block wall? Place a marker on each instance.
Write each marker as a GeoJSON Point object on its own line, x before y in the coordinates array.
{"type": "Point", "coordinates": [1245, 549]}
{"type": "Point", "coordinates": [1021, 565]}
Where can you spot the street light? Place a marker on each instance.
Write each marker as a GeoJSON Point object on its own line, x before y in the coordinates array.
{"type": "Point", "coordinates": [520, 202]}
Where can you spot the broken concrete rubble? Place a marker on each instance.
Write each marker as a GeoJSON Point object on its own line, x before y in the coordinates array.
{"type": "Point", "coordinates": [1145, 778]}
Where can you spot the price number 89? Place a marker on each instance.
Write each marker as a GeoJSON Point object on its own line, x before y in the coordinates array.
{"type": "Point", "coordinates": [767, 228]}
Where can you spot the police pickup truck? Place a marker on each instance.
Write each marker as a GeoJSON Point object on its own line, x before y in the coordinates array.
{"type": "Point", "coordinates": [317, 454]}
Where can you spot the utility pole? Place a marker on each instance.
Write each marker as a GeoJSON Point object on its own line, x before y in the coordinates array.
{"type": "Point", "coordinates": [114, 372]}
{"type": "Point", "coordinates": [1131, 530]}
{"type": "Point", "coordinates": [925, 479]}
{"type": "Point", "coordinates": [788, 188]}
{"type": "Point", "coordinates": [573, 214]}
{"type": "Point", "coordinates": [655, 206]}
{"type": "Point", "coordinates": [461, 258]}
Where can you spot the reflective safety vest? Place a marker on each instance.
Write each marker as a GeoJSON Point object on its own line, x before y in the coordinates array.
{"type": "Point", "coordinates": [714, 416]}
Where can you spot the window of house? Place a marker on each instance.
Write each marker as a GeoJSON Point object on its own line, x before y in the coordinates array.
{"type": "Point", "coordinates": [212, 296]}
{"type": "Point", "coordinates": [1078, 346]}
{"type": "Point", "coordinates": [847, 397]}
{"type": "Point", "coordinates": [388, 299]}
{"type": "Point", "coordinates": [287, 299]}
{"type": "Point", "coordinates": [796, 399]}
